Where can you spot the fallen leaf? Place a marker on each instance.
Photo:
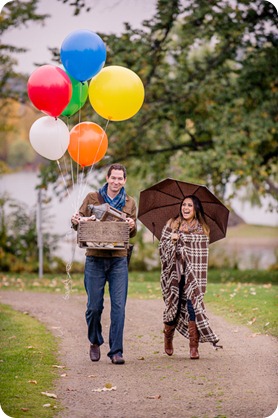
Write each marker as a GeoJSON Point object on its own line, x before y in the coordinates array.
{"type": "Point", "coordinates": [141, 358]}
{"type": "Point", "coordinates": [252, 321]}
{"type": "Point", "coordinates": [255, 334]}
{"type": "Point", "coordinates": [267, 286]}
{"type": "Point", "coordinates": [58, 367]}
{"type": "Point", "coordinates": [154, 397]}
{"type": "Point", "coordinates": [108, 385]}
{"type": "Point", "coordinates": [33, 381]}
{"type": "Point", "coordinates": [105, 389]}
{"type": "Point", "coordinates": [50, 395]}
{"type": "Point", "coordinates": [24, 409]}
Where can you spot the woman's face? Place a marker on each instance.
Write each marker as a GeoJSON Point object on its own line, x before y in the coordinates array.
{"type": "Point", "coordinates": [187, 209]}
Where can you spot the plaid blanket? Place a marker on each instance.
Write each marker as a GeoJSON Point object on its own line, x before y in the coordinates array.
{"type": "Point", "coordinates": [187, 256]}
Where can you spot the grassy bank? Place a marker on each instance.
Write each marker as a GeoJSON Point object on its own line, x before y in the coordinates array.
{"type": "Point", "coordinates": [26, 366]}
{"type": "Point", "coordinates": [247, 297]}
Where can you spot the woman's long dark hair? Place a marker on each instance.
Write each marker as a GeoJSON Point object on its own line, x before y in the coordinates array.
{"type": "Point", "coordinates": [199, 212]}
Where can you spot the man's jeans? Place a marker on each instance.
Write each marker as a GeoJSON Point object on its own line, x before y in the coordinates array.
{"type": "Point", "coordinates": [114, 270]}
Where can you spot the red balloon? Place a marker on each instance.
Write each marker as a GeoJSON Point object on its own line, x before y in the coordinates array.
{"type": "Point", "coordinates": [49, 89]}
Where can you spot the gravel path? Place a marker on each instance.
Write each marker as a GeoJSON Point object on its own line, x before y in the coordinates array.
{"type": "Point", "coordinates": [239, 381]}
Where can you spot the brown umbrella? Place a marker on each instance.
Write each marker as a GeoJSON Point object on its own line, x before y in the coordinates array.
{"type": "Point", "coordinates": [161, 202]}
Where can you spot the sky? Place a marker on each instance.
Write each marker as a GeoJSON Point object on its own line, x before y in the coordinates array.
{"type": "Point", "coordinates": [106, 16]}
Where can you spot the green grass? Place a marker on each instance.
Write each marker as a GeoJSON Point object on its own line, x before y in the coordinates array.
{"type": "Point", "coordinates": [252, 231]}
{"type": "Point", "coordinates": [242, 276]}
{"type": "Point", "coordinates": [247, 297]}
{"type": "Point", "coordinates": [26, 360]}
{"type": "Point", "coordinates": [253, 305]}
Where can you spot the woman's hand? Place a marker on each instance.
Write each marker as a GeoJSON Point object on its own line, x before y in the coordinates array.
{"type": "Point", "coordinates": [131, 223]}
{"type": "Point", "coordinates": [174, 236]}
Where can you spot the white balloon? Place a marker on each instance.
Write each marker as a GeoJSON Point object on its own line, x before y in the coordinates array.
{"type": "Point", "coordinates": [49, 137]}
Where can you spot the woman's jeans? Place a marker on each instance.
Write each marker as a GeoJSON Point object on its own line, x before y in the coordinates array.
{"type": "Point", "coordinates": [190, 308]}
{"type": "Point", "coordinates": [98, 271]}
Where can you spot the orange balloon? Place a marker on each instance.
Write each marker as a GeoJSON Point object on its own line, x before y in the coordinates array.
{"type": "Point", "coordinates": [88, 143]}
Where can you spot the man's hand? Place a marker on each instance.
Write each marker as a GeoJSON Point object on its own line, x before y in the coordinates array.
{"type": "Point", "coordinates": [75, 219]}
{"type": "Point", "coordinates": [131, 223]}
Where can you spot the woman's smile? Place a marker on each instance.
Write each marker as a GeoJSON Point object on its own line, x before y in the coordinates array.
{"type": "Point", "coordinates": [187, 209]}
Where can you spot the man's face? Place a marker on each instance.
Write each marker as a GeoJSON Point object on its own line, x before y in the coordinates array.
{"type": "Point", "coordinates": [115, 182]}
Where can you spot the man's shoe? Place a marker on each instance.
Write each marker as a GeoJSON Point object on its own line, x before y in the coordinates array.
{"type": "Point", "coordinates": [117, 359]}
{"type": "Point", "coordinates": [94, 352]}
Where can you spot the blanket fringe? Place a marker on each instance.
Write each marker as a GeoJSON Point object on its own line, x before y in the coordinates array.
{"type": "Point", "coordinates": [215, 346]}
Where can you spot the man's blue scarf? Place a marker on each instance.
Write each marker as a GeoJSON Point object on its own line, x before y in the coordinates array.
{"type": "Point", "coordinates": [118, 202]}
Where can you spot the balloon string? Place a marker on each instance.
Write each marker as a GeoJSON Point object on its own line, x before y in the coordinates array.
{"type": "Point", "coordinates": [70, 195]}
{"type": "Point", "coordinates": [71, 171]}
{"type": "Point", "coordinates": [68, 281]}
{"type": "Point", "coordinates": [65, 184]}
{"type": "Point", "coordinates": [65, 163]}
{"type": "Point", "coordinates": [71, 165]}
{"type": "Point", "coordinates": [78, 156]}
{"type": "Point", "coordinates": [74, 205]}
{"type": "Point", "coordinates": [92, 166]}
{"type": "Point", "coordinates": [80, 189]}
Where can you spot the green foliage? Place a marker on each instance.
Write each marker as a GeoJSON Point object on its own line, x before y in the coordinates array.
{"type": "Point", "coordinates": [20, 153]}
{"type": "Point", "coordinates": [15, 14]}
{"type": "Point", "coordinates": [27, 357]}
{"type": "Point", "coordinates": [209, 114]}
{"type": "Point", "coordinates": [145, 255]}
{"type": "Point", "coordinates": [18, 238]}
{"type": "Point", "coordinates": [209, 71]}
{"type": "Point", "coordinates": [79, 5]}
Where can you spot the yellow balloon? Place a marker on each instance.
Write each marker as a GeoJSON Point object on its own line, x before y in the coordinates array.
{"type": "Point", "coordinates": [116, 93]}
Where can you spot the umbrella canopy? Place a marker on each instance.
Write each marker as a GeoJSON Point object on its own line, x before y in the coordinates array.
{"type": "Point", "coordinates": [161, 202]}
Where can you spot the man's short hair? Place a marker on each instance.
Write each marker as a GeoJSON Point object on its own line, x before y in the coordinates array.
{"type": "Point", "coordinates": [116, 167]}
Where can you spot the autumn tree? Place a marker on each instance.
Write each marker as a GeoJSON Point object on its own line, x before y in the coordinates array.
{"type": "Point", "coordinates": [210, 114]}
{"type": "Point", "coordinates": [210, 110]}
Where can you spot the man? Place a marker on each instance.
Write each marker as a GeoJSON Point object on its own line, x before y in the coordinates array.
{"type": "Point", "coordinates": [110, 266]}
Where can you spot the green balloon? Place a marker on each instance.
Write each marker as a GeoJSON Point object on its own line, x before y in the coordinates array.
{"type": "Point", "coordinates": [78, 98]}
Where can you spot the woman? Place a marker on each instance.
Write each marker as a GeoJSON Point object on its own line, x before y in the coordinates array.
{"type": "Point", "coordinates": [184, 259]}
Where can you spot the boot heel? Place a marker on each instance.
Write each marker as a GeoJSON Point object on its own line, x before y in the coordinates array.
{"type": "Point", "coordinates": [169, 331]}
{"type": "Point", "coordinates": [193, 340]}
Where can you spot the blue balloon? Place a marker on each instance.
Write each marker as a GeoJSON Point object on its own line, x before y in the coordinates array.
{"type": "Point", "coordinates": [83, 54]}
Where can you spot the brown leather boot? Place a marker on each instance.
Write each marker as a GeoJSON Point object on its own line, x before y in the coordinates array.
{"type": "Point", "coordinates": [193, 340]}
{"type": "Point", "coordinates": [169, 331]}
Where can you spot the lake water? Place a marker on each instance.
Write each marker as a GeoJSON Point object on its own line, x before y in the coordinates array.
{"type": "Point", "coordinates": [22, 187]}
